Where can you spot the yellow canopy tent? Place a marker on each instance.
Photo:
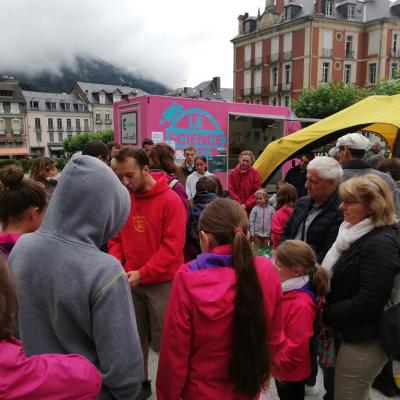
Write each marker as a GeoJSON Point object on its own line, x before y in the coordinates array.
{"type": "Point", "coordinates": [377, 114]}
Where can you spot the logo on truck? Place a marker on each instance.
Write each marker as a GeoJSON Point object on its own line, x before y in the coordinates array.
{"type": "Point", "coordinates": [192, 127]}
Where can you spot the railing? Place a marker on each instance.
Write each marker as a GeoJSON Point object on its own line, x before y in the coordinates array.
{"type": "Point", "coordinates": [258, 90]}
{"type": "Point", "coordinates": [327, 53]}
{"type": "Point", "coordinates": [273, 58]}
{"type": "Point", "coordinates": [258, 61]}
{"type": "Point", "coordinates": [247, 64]}
{"type": "Point", "coordinates": [395, 53]}
{"type": "Point", "coordinates": [287, 55]}
{"type": "Point", "coordinates": [349, 54]}
{"type": "Point", "coordinates": [286, 87]}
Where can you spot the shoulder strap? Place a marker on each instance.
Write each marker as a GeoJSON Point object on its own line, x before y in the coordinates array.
{"type": "Point", "coordinates": [172, 183]}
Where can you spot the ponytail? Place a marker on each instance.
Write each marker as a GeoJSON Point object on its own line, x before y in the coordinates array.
{"type": "Point", "coordinates": [249, 367]}
{"type": "Point", "coordinates": [319, 279]}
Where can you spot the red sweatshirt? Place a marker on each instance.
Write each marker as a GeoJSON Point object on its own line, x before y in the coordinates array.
{"type": "Point", "coordinates": [243, 185]}
{"type": "Point", "coordinates": [153, 237]}
{"type": "Point", "coordinates": [279, 220]}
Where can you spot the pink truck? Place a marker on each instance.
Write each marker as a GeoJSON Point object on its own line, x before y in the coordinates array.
{"type": "Point", "coordinates": [218, 130]}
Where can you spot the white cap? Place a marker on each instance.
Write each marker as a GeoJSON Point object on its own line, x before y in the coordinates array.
{"type": "Point", "coordinates": [354, 141]}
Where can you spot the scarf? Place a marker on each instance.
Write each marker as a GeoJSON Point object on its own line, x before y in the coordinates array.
{"type": "Point", "coordinates": [295, 283]}
{"type": "Point", "coordinates": [347, 235]}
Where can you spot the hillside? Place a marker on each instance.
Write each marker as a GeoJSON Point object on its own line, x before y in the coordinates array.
{"type": "Point", "coordinates": [88, 70]}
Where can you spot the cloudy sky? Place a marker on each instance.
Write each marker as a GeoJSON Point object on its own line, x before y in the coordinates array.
{"type": "Point", "coordinates": [177, 42]}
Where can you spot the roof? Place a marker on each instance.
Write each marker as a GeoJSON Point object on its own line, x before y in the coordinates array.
{"type": "Point", "coordinates": [92, 91]}
{"type": "Point", "coordinates": [377, 114]}
{"type": "Point", "coordinates": [44, 98]}
{"type": "Point", "coordinates": [16, 97]}
{"type": "Point", "coordinates": [204, 90]}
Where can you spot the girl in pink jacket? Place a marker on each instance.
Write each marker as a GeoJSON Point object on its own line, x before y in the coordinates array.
{"type": "Point", "coordinates": [304, 286]}
{"type": "Point", "coordinates": [40, 377]}
{"type": "Point", "coordinates": [222, 332]}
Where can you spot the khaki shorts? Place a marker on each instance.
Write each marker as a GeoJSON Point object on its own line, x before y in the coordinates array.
{"type": "Point", "coordinates": [150, 303]}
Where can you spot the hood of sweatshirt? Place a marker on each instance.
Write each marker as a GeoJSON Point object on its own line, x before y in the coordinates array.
{"type": "Point", "coordinates": [89, 206]}
{"type": "Point", "coordinates": [160, 187]}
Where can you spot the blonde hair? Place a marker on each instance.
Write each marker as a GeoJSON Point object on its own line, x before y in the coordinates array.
{"type": "Point", "coordinates": [374, 193]}
{"type": "Point", "coordinates": [247, 153]}
{"type": "Point", "coordinates": [262, 192]}
{"type": "Point", "coordinates": [298, 254]}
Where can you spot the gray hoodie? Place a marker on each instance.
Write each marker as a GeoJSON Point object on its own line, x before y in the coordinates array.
{"type": "Point", "coordinates": [72, 297]}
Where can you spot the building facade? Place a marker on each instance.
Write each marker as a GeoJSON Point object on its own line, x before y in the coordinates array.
{"type": "Point", "coordinates": [13, 132]}
{"type": "Point", "coordinates": [301, 44]}
{"type": "Point", "coordinates": [52, 117]}
{"type": "Point", "coordinates": [99, 99]}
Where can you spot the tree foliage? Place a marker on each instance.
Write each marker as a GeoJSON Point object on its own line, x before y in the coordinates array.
{"type": "Point", "coordinates": [76, 143]}
{"type": "Point", "coordinates": [385, 87]}
{"type": "Point", "coordinates": [327, 99]}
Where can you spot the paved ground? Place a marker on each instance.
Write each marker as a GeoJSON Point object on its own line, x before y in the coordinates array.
{"type": "Point", "coordinates": [375, 395]}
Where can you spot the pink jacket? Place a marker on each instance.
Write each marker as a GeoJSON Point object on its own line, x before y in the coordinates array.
{"type": "Point", "coordinates": [197, 332]}
{"type": "Point", "coordinates": [299, 313]}
{"type": "Point", "coordinates": [45, 376]}
{"type": "Point", "coordinates": [243, 186]}
{"type": "Point", "coordinates": [279, 220]}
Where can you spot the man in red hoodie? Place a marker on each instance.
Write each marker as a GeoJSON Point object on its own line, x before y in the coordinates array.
{"type": "Point", "coordinates": [149, 246]}
{"type": "Point", "coordinates": [244, 181]}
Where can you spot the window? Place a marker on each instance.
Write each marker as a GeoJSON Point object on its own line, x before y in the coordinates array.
{"type": "Point", "coordinates": [50, 124]}
{"type": "Point", "coordinates": [274, 76]}
{"type": "Point", "coordinates": [329, 8]}
{"type": "Point", "coordinates": [38, 136]}
{"type": "Point", "coordinates": [394, 70]}
{"type": "Point", "coordinates": [349, 46]}
{"type": "Point", "coordinates": [287, 74]}
{"type": "Point", "coordinates": [372, 73]}
{"type": "Point", "coordinates": [35, 105]}
{"type": "Point", "coordinates": [67, 107]}
{"type": "Point", "coordinates": [325, 72]}
{"type": "Point", "coordinates": [86, 124]}
{"type": "Point", "coordinates": [78, 125]}
{"type": "Point", "coordinates": [347, 73]}
{"type": "Point", "coordinates": [14, 108]}
{"type": "Point", "coordinates": [107, 118]}
{"type": "Point", "coordinates": [69, 124]}
{"type": "Point", "coordinates": [2, 126]}
{"type": "Point", "coordinates": [98, 118]}
{"type": "Point", "coordinates": [51, 136]}
{"type": "Point", "coordinates": [52, 105]}
{"type": "Point", "coordinates": [16, 126]}
{"type": "Point", "coordinates": [59, 124]}
{"type": "Point", "coordinates": [60, 136]}
{"type": "Point", "coordinates": [102, 98]}
{"type": "Point", "coordinates": [351, 11]}
{"type": "Point", "coordinates": [287, 101]}
{"type": "Point", "coordinates": [288, 13]}
{"type": "Point", "coordinates": [116, 97]}
{"type": "Point", "coordinates": [37, 124]}
{"type": "Point", "coordinates": [273, 101]}
{"type": "Point", "coordinates": [395, 44]}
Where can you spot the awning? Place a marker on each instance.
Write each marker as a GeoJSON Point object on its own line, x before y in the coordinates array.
{"type": "Point", "coordinates": [13, 151]}
{"type": "Point", "coordinates": [273, 117]}
{"type": "Point", "coordinates": [53, 147]}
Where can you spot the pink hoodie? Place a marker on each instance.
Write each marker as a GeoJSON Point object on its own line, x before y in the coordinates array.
{"type": "Point", "coordinates": [45, 376]}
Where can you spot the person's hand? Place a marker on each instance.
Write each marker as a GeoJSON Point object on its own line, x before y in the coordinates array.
{"type": "Point", "coordinates": [134, 278]}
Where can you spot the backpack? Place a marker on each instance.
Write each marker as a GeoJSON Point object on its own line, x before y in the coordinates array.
{"type": "Point", "coordinates": [390, 323]}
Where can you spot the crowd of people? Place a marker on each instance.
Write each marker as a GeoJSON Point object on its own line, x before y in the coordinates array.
{"type": "Point", "coordinates": [127, 250]}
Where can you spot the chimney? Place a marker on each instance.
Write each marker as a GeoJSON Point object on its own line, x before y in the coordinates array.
{"type": "Point", "coordinates": [200, 92]}
{"type": "Point", "coordinates": [241, 19]}
{"type": "Point", "coordinates": [185, 89]}
{"type": "Point", "coordinates": [318, 6]}
{"type": "Point", "coordinates": [216, 81]}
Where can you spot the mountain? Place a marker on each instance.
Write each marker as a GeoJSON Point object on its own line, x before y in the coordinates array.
{"type": "Point", "coordinates": [88, 70]}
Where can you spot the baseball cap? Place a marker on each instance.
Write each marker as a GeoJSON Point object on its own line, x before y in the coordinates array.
{"type": "Point", "coordinates": [353, 141]}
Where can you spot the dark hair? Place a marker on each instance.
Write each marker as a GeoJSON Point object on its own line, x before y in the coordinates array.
{"type": "Point", "coordinates": [96, 148]}
{"type": "Point", "coordinates": [110, 145]}
{"type": "Point", "coordinates": [139, 155]}
{"type": "Point", "coordinates": [202, 158]}
{"type": "Point", "coordinates": [286, 194]}
{"type": "Point", "coordinates": [220, 190]}
{"type": "Point", "coordinates": [147, 141]}
{"type": "Point", "coordinates": [8, 303]}
{"type": "Point", "coordinates": [40, 168]}
{"type": "Point", "coordinates": [249, 366]}
{"type": "Point", "coordinates": [17, 194]}
{"type": "Point", "coordinates": [298, 254]}
{"type": "Point", "coordinates": [356, 153]}
{"type": "Point", "coordinates": [206, 184]}
{"type": "Point", "coordinates": [161, 156]}
{"type": "Point", "coordinates": [391, 165]}
{"type": "Point", "coordinates": [191, 148]}
{"type": "Point", "coordinates": [309, 155]}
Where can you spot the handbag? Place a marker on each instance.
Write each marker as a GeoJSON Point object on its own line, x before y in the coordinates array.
{"type": "Point", "coordinates": [326, 346]}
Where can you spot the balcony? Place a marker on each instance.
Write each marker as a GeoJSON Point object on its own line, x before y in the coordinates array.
{"type": "Point", "coordinates": [287, 55]}
{"type": "Point", "coordinates": [245, 92]}
{"type": "Point", "coordinates": [395, 53]}
{"type": "Point", "coordinates": [274, 88]}
{"type": "Point", "coordinates": [327, 53]}
{"type": "Point", "coordinates": [286, 87]}
{"type": "Point", "coordinates": [257, 90]}
{"type": "Point", "coordinates": [349, 54]}
{"type": "Point", "coordinates": [247, 64]}
{"type": "Point", "coordinates": [258, 62]}
{"type": "Point", "coordinates": [108, 121]}
{"type": "Point", "coordinates": [98, 121]}
{"type": "Point", "coordinates": [273, 58]}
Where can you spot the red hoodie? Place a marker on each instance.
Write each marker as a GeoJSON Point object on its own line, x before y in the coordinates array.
{"type": "Point", "coordinates": [153, 237]}
{"type": "Point", "coordinates": [243, 185]}
{"type": "Point", "coordinates": [279, 220]}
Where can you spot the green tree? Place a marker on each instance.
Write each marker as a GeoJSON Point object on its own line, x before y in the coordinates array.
{"type": "Point", "coordinates": [387, 87]}
{"type": "Point", "coordinates": [327, 99]}
{"type": "Point", "coordinates": [76, 143]}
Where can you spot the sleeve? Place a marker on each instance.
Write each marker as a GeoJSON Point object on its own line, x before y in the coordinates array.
{"type": "Point", "coordinates": [189, 187]}
{"type": "Point", "coordinates": [232, 187]}
{"type": "Point", "coordinates": [252, 218]}
{"type": "Point", "coordinates": [45, 376]}
{"type": "Point", "coordinates": [176, 344]}
{"type": "Point", "coordinates": [276, 229]}
{"type": "Point", "coordinates": [255, 185]}
{"type": "Point", "coordinates": [377, 272]}
{"type": "Point", "coordinates": [298, 333]}
{"type": "Point", "coordinates": [118, 349]}
{"type": "Point", "coordinates": [287, 229]}
{"type": "Point", "coordinates": [330, 236]}
{"type": "Point", "coordinates": [172, 242]}
{"type": "Point", "coordinates": [115, 248]}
